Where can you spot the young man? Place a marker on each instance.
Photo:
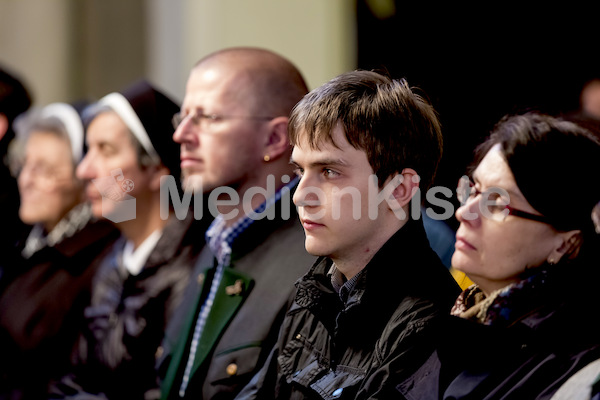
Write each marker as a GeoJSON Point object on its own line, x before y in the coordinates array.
{"type": "Point", "coordinates": [141, 278]}
{"type": "Point", "coordinates": [234, 145]}
{"type": "Point", "coordinates": [363, 145]}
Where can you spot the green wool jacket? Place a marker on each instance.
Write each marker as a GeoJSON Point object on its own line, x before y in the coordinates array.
{"type": "Point", "coordinates": [243, 324]}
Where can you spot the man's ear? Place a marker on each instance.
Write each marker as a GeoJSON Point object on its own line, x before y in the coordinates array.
{"type": "Point", "coordinates": [406, 185]}
{"type": "Point", "coordinates": [568, 246]}
{"type": "Point", "coordinates": [277, 142]}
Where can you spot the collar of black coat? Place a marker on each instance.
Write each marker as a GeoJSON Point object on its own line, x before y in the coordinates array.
{"type": "Point", "coordinates": [94, 238]}
{"type": "Point", "coordinates": [404, 266]}
{"type": "Point", "coordinates": [93, 232]}
{"type": "Point", "coordinates": [177, 235]}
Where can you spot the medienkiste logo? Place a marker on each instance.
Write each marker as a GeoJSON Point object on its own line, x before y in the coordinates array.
{"type": "Point", "coordinates": [117, 204]}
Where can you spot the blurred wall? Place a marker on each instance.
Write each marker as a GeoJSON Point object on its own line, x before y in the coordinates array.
{"type": "Point", "coordinates": [35, 43]}
{"type": "Point", "coordinates": [68, 50]}
{"type": "Point", "coordinates": [318, 36]}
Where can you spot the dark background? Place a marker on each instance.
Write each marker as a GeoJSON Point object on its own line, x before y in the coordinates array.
{"type": "Point", "coordinates": [477, 65]}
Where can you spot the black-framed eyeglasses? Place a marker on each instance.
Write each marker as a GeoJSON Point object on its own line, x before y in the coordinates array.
{"type": "Point", "coordinates": [197, 118]}
{"type": "Point", "coordinates": [497, 202]}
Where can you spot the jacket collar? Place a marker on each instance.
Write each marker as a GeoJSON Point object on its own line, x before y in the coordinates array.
{"type": "Point", "coordinates": [405, 267]}
{"type": "Point", "coordinates": [407, 247]}
{"type": "Point", "coordinates": [177, 234]}
{"type": "Point", "coordinates": [397, 270]}
{"type": "Point", "coordinates": [74, 221]}
{"type": "Point", "coordinates": [284, 212]}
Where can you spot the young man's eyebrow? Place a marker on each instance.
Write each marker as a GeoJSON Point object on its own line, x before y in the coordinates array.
{"type": "Point", "coordinates": [323, 162]}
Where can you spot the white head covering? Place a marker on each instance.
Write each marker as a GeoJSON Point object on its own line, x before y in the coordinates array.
{"type": "Point", "coordinates": [63, 112]}
{"type": "Point", "coordinates": [119, 104]}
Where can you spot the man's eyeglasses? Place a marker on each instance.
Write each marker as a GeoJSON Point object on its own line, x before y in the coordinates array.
{"type": "Point", "coordinates": [495, 204]}
{"type": "Point", "coordinates": [198, 118]}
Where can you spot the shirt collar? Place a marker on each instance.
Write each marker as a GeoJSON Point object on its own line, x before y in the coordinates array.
{"type": "Point", "coordinates": [342, 286]}
{"type": "Point", "coordinates": [134, 259]}
{"type": "Point", "coordinates": [220, 238]}
{"type": "Point", "coordinates": [337, 278]}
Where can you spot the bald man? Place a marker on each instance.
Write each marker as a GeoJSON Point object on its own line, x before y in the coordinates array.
{"type": "Point", "coordinates": [235, 149]}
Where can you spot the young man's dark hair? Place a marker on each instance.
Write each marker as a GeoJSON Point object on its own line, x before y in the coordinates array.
{"type": "Point", "coordinates": [374, 111]}
{"type": "Point", "coordinates": [367, 309]}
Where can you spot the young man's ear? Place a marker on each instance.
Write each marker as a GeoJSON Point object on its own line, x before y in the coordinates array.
{"type": "Point", "coordinates": [406, 184]}
{"type": "Point", "coordinates": [277, 142]}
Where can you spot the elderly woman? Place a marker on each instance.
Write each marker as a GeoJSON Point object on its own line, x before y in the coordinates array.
{"type": "Point", "coordinates": [47, 184]}
{"type": "Point", "coordinates": [46, 282]}
{"type": "Point", "coordinates": [528, 241]}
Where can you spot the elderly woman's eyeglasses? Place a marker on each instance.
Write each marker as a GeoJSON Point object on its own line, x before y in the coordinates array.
{"type": "Point", "coordinates": [198, 118]}
{"type": "Point", "coordinates": [495, 202]}
{"type": "Point", "coordinates": [48, 177]}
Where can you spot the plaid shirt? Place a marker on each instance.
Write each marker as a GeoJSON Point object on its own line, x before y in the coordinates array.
{"type": "Point", "coordinates": [220, 239]}
{"type": "Point", "coordinates": [342, 286]}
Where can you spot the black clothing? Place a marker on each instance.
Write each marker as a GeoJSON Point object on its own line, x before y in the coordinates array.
{"type": "Point", "coordinates": [328, 349]}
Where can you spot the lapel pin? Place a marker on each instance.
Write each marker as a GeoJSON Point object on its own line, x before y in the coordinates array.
{"type": "Point", "coordinates": [235, 289]}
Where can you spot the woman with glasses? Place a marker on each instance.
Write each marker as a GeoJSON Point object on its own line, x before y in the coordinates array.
{"type": "Point", "coordinates": [528, 240]}
{"type": "Point", "coordinates": [45, 282]}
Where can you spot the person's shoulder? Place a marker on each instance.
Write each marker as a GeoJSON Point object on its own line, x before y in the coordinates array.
{"type": "Point", "coordinates": [273, 235]}
{"type": "Point", "coordinates": [282, 248]}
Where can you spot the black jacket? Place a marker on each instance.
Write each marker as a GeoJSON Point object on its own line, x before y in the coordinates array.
{"type": "Point", "coordinates": [41, 308]}
{"type": "Point", "coordinates": [529, 359]}
{"type": "Point", "coordinates": [385, 329]}
{"type": "Point", "coordinates": [127, 317]}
